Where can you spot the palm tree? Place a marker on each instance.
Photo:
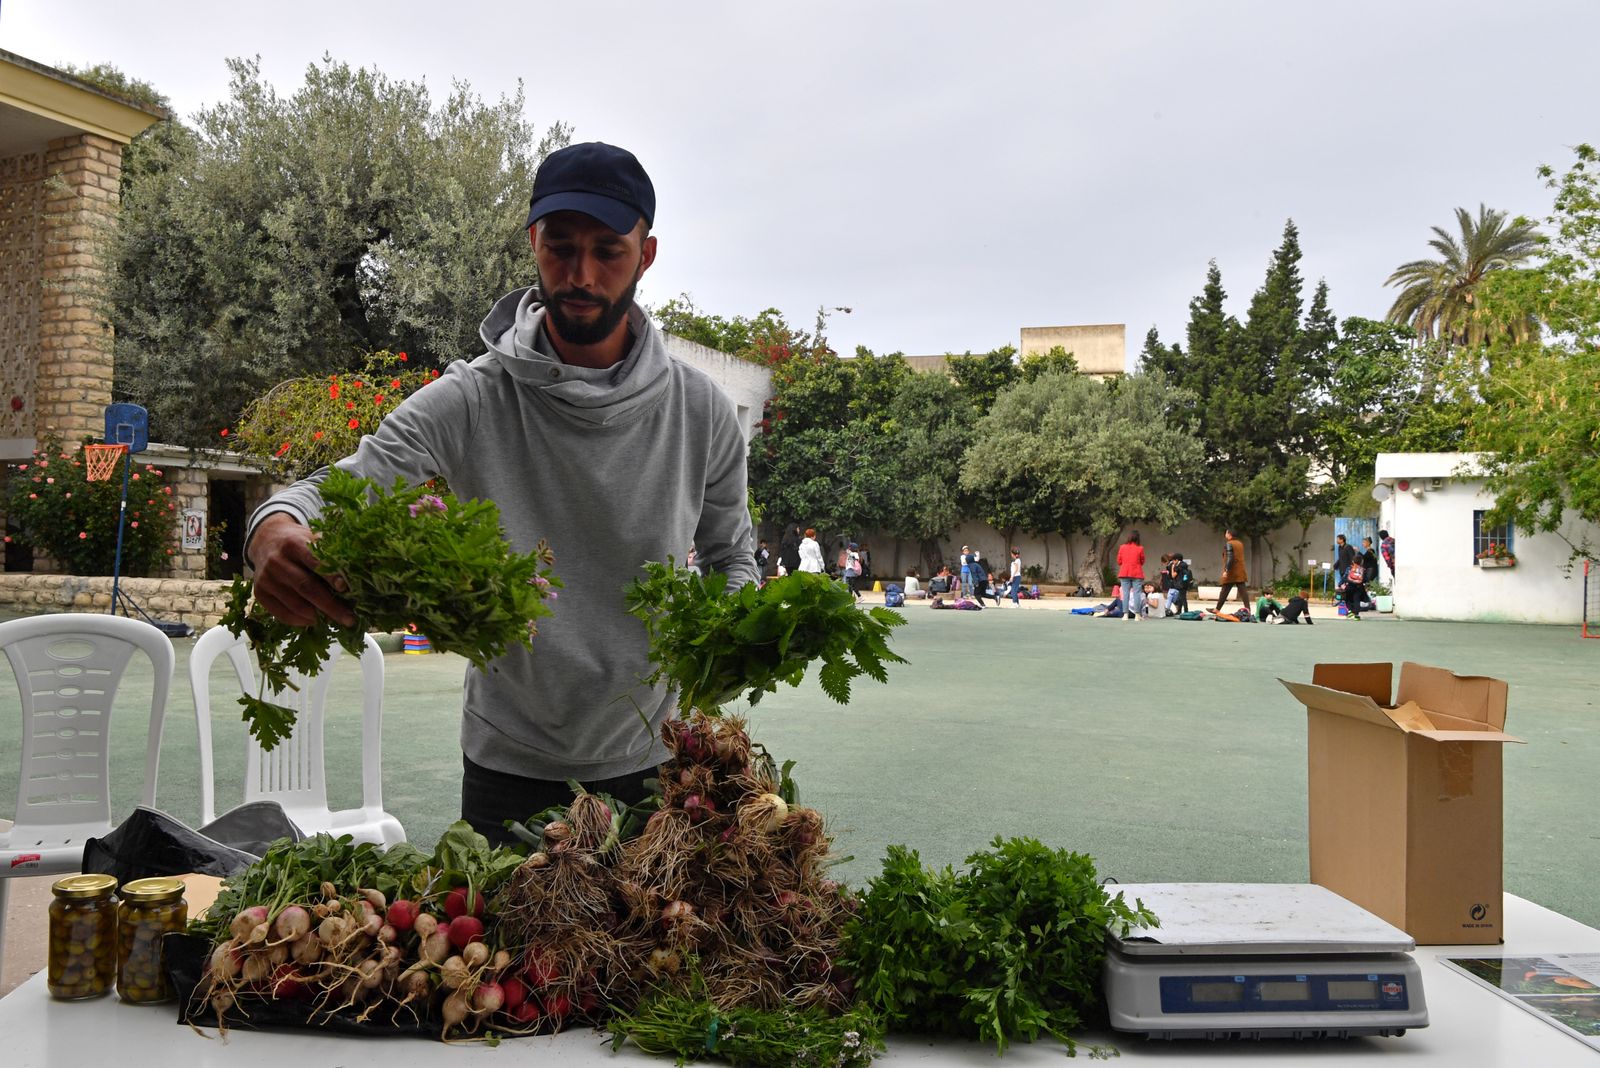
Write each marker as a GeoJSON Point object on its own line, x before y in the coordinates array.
{"type": "Point", "coordinates": [1436, 296]}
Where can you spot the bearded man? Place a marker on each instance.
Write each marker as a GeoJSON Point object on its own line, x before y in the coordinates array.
{"type": "Point", "coordinates": [588, 435]}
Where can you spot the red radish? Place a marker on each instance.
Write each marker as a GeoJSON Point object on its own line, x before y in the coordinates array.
{"type": "Point", "coordinates": [461, 901]}
{"type": "Point", "coordinates": [464, 930]}
{"type": "Point", "coordinates": [557, 1006]}
{"type": "Point", "coordinates": [515, 992]}
{"type": "Point", "coordinates": [247, 921]}
{"type": "Point", "coordinates": [526, 1013]}
{"type": "Point", "coordinates": [288, 984]}
{"type": "Point", "coordinates": [489, 997]}
{"type": "Point", "coordinates": [786, 899]}
{"type": "Point", "coordinates": [402, 915]}
{"type": "Point", "coordinates": [699, 808]}
{"type": "Point", "coordinates": [540, 969]}
{"type": "Point", "coordinates": [589, 1002]}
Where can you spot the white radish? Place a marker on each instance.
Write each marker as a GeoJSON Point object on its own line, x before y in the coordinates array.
{"type": "Point", "coordinates": [453, 973]}
{"type": "Point", "coordinates": [292, 923]}
{"type": "Point", "coordinates": [475, 955]}
{"type": "Point", "coordinates": [246, 921]}
{"type": "Point", "coordinates": [435, 948]}
{"type": "Point", "coordinates": [225, 962]}
{"type": "Point", "coordinates": [424, 925]}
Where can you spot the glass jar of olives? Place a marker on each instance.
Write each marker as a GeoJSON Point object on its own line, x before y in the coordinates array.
{"type": "Point", "coordinates": [150, 909]}
{"type": "Point", "coordinates": [83, 937]}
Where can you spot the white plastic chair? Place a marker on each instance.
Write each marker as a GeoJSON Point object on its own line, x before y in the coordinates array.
{"type": "Point", "coordinates": [68, 667]}
{"type": "Point", "coordinates": [293, 774]}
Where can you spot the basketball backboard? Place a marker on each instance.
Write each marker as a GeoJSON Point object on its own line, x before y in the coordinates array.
{"type": "Point", "coordinates": [128, 424]}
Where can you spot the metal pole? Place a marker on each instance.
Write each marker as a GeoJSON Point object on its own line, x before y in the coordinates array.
{"type": "Point", "coordinates": [122, 515]}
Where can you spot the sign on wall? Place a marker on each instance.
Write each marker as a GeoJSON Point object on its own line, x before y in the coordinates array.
{"type": "Point", "coordinates": [194, 529]}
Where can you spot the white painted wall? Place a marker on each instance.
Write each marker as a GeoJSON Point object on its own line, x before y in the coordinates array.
{"type": "Point", "coordinates": [1437, 576]}
{"type": "Point", "coordinates": [747, 384]}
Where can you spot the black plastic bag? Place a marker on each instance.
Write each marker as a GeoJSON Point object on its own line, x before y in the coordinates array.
{"type": "Point", "coordinates": [150, 842]}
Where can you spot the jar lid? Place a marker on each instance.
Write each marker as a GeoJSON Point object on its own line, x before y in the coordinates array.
{"type": "Point", "coordinates": [154, 891]}
{"type": "Point", "coordinates": [84, 887]}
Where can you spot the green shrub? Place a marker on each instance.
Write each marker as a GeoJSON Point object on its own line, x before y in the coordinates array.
{"type": "Point", "coordinates": [58, 511]}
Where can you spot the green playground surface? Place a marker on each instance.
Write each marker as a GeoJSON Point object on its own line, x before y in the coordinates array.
{"type": "Point", "coordinates": [1165, 749]}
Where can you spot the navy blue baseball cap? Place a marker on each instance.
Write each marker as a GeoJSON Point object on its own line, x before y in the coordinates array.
{"type": "Point", "coordinates": [599, 180]}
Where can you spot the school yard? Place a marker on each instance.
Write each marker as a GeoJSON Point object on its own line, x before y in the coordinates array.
{"type": "Point", "coordinates": [1165, 749]}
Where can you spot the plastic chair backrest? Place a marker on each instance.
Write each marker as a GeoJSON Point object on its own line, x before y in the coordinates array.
{"type": "Point", "coordinates": [293, 774]}
{"type": "Point", "coordinates": [68, 667]}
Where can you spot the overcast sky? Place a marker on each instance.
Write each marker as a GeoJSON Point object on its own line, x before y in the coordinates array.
{"type": "Point", "coordinates": [953, 172]}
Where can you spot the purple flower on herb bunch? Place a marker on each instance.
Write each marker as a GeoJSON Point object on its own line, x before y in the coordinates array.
{"type": "Point", "coordinates": [427, 503]}
{"type": "Point", "coordinates": [544, 587]}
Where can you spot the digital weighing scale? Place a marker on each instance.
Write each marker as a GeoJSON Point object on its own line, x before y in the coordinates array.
{"type": "Point", "coordinates": [1259, 960]}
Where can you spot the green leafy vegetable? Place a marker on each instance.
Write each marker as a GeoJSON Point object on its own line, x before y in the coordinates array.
{"type": "Point", "coordinates": [407, 557]}
{"type": "Point", "coordinates": [291, 872]}
{"type": "Point", "coordinates": [691, 1028]}
{"type": "Point", "coordinates": [713, 647]}
{"type": "Point", "coordinates": [1009, 949]}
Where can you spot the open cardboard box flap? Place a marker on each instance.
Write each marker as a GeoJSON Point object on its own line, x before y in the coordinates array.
{"type": "Point", "coordinates": [1476, 703]}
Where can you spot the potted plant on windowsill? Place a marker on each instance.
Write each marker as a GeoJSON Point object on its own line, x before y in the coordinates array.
{"type": "Point", "coordinates": [1496, 555]}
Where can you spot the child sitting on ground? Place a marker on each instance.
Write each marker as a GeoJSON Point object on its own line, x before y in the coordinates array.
{"type": "Point", "coordinates": [1296, 610]}
{"type": "Point", "coordinates": [1110, 611]}
{"type": "Point", "coordinates": [1154, 603]}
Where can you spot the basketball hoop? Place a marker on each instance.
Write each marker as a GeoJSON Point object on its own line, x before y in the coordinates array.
{"type": "Point", "coordinates": [101, 460]}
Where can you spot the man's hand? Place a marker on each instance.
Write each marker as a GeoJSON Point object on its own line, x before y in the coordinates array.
{"type": "Point", "coordinates": [287, 582]}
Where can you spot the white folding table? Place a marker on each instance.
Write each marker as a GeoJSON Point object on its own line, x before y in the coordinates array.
{"type": "Point", "coordinates": [1468, 1026]}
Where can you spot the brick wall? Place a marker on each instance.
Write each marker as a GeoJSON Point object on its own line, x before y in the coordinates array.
{"type": "Point", "coordinates": [81, 193]}
{"type": "Point", "coordinates": [198, 603]}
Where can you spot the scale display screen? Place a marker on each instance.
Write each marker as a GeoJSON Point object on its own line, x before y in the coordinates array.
{"type": "Point", "coordinates": [1283, 993]}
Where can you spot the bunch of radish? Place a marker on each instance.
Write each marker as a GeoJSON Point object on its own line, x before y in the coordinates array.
{"type": "Point", "coordinates": [725, 886]}
{"type": "Point", "coordinates": [358, 955]}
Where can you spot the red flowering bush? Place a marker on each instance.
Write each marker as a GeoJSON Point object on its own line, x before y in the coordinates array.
{"type": "Point", "coordinates": [60, 512]}
{"type": "Point", "coordinates": [307, 423]}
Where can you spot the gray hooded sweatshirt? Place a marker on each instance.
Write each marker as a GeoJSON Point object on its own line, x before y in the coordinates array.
{"type": "Point", "coordinates": [610, 467]}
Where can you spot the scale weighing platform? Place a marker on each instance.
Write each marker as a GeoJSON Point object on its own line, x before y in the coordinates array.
{"type": "Point", "coordinates": [1259, 960]}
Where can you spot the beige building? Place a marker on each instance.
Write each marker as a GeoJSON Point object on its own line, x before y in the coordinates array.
{"type": "Point", "coordinates": [61, 142]}
{"type": "Point", "coordinates": [1101, 351]}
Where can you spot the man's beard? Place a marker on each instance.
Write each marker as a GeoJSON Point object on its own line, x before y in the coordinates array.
{"type": "Point", "coordinates": [593, 331]}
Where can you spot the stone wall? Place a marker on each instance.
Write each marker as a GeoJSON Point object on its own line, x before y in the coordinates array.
{"type": "Point", "coordinates": [81, 194]}
{"type": "Point", "coordinates": [198, 603]}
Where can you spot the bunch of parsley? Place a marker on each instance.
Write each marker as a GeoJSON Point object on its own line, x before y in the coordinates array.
{"type": "Point", "coordinates": [407, 556]}
{"type": "Point", "coordinates": [713, 647]}
{"type": "Point", "coordinates": [1008, 949]}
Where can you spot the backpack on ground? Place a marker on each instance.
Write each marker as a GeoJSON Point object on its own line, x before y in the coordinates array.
{"type": "Point", "coordinates": [1191, 615]}
{"type": "Point", "coordinates": [893, 595]}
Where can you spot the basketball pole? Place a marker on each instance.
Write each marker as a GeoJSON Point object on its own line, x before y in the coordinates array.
{"type": "Point", "coordinates": [122, 518]}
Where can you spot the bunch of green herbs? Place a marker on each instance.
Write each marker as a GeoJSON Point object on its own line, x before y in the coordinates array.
{"type": "Point", "coordinates": [1006, 950]}
{"type": "Point", "coordinates": [406, 556]}
{"type": "Point", "coordinates": [714, 647]}
{"type": "Point", "coordinates": [692, 1028]}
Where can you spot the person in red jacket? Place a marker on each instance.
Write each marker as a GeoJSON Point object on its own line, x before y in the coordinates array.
{"type": "Point", "coordinates": [1130, 574]}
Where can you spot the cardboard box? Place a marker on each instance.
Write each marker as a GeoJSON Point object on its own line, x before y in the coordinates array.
{"type": "Point", "coordinates": [1405, 796]}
